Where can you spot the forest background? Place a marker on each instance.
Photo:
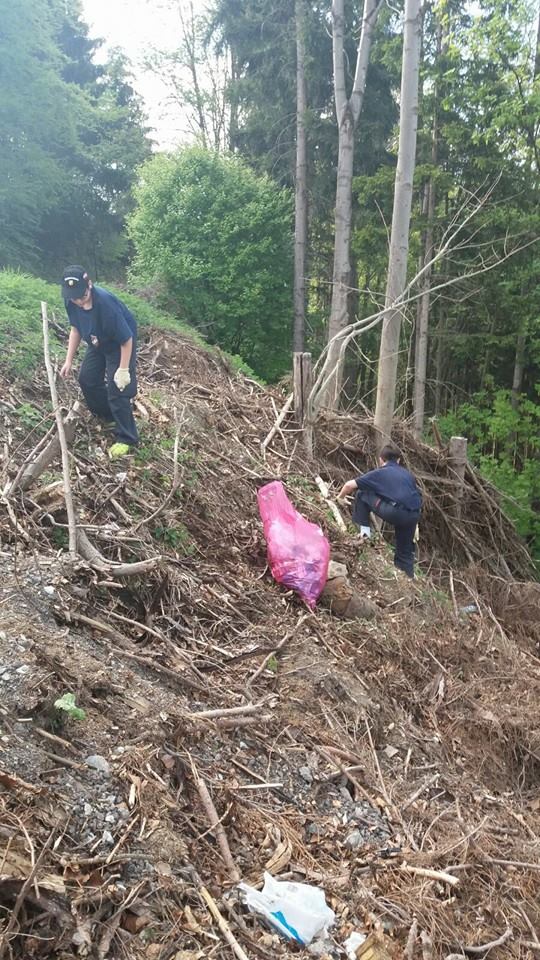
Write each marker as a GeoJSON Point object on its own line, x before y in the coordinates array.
{"type": "Point", "coordinates": [207, 231]}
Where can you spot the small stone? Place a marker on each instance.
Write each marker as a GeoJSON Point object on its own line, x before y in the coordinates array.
{"type": "Point", "coordinates": [24, 669]}
{"type": "Point", "coordinates": [5, 677]}
{"type": "Point", "coordinates": [107, 838]}
{"type": "Point", "coordinates": [110, 818]}
{"type": "Point", "coordinates": [87, 809]}
{"type": "Point", "coordinates": [2, 635]}
{"type": "Point", "coordinates": [390, 751]}
{"type": "Point", "coordinates": [354, 840]}
{"type": "Point", "coordinates": [306, 773]}
{"type": "Point", "coordinates": [50, 591]}
{"type": "Point", "coordinates": [98, 763]}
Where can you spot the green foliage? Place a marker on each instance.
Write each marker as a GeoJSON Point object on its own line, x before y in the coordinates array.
{"type": "Point", "coordinates": [215, 240]}
{"type": "Point", "coordinates": [178, 537]}
{"type": "Point", "coordinates": [504, 441]}
{"type": "Point", "coordinates": [72, 135]}
{"type": "Point", "coordinates": [67, 704]}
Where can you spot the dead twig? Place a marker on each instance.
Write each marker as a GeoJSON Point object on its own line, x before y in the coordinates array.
{"type": "Point", "coordinates": [22, 894]}
{"type": "Point", "coordinates": [430, 874]}
{"type": "Point", "coordinates": [215, 823]}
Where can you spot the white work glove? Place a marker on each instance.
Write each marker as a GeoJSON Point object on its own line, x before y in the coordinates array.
{"type": "Point", "coordinates": [122, 378]}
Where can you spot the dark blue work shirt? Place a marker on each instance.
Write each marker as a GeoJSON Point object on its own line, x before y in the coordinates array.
{"type": "Point", "coordinates": [394, 483]}
{"type": "Point", "coordinates": [107, 325]}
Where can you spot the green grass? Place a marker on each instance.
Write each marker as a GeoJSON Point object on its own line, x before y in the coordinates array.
{"type": "Point", "coordinates": [21, 341]}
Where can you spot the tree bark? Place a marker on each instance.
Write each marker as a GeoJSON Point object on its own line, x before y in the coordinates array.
{"type": "Point", "coordinates": [300, 202]}
{"type": "Point", "coordinates": [519, 365]}
{"type": "Point", "coordinates": [348, 111]}
{"type": "Point", "coordinates": [422, 316]}
{"type": "Point", "coordinates": [399, 241]}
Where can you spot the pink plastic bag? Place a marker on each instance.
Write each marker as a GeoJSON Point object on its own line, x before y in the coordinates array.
{"type": "Point", "coordinates": [298, 551]}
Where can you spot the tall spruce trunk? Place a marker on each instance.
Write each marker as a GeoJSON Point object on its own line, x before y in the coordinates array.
{"type": "Point", "coordinates": [401, 216]}
{"type": "Point", "coordinates": [422, 313]}
{"type": "Point", "coordinates": [348, 111]}
{"type": "Point", "coordinates": [300, 199]}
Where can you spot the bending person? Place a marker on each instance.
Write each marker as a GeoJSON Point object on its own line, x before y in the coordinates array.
{"type": "Point", "coordinates": [107, 376]}
{"type": "Point", "coordinates": [391, 493]}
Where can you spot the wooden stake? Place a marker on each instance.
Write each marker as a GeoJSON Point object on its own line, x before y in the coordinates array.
{"type": "Point", "coordinates": [458, 463]}
{"type": "Point", "coordinates": [302, 384]}
{"type": "Point", "coordinates": [72, 521]}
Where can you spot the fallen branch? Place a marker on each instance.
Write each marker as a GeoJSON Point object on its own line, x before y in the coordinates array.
{"type": "Point", "coordinates": [225, 712]}
{"type": "Point", "coordinates": [98, 562]}
{"type": "Point", "coordinates": [430, 874]}
{"type": "Point", "coordinates": [72, 521]}
{"type": "Point", "coordinates": [215, 824]}
{"type": "Point", "coordinates": [22, 894]}
{"type": "Point", "coordinates": [222, 924]}
{"type": "Point", "coordinates": [484, 948]}
{"type": "Point", "coordinates": [270, 436]}
{"type": "Point", "coordinates": [411, 940]}
{"type": "Point", "coordinates": [272, 653]}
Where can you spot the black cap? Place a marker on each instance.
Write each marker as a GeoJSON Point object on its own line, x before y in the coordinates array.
{"type": "Point", "coordinates": [75, 282]}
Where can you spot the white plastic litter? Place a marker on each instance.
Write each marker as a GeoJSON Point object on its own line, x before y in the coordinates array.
{"type": "Point", "coordinates": [297, 910]}
{"type": "Point", "coordinates": [352, 943]}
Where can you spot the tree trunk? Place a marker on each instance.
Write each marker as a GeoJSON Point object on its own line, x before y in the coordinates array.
{"type": "Point", "coordinates": [519, 365]}
{"type": "Point", "coordinates": [422, 315]}
{"type": "Point", "coordinates": [441, 330]}
{"type": "Point", "coordinates": [348, 112]}
{"type": "Point", "coordinates": [422, 320]}
{"type": "Point", "coordinates": [399, 241]}
{"type": "Point", "coordinates": [300, 202]}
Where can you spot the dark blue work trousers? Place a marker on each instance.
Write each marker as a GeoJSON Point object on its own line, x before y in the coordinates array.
{"type": "Point", "coordinates": [103, 397]}
{"type": "Point", "coordinates": [404, 521]}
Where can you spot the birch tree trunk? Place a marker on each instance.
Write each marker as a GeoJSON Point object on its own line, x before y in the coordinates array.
{"type": "Point", "coordinates": [422, 315]}
{"type": "Point", "coordinates": [300, 197]}
{"type": "Point", "coordinates": [401, 215]}
{"type": "Point", "coordinates": [348, 111]}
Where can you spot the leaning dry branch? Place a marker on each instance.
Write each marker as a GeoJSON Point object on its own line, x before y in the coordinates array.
{"type": "Point", "coordinates": [325, 493]}
{"type": "Point", "coordinates": [45, 452]}
{"type": "Point", "coordinates": [174, 486]}
{"type": "Point", "coordinates": [216, 825]}
{"type": "Point", "coordinates": [72, 521]}
{"type": "Point", "coordinates": [330, 359]}
{"type": "Point", "coordinates": [284, 411]}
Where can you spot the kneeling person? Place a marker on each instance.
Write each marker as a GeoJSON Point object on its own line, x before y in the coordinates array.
{"type": "Point", "coordinates": [390, 492]}
{"type": "Point", "coordinates": [107, 376]}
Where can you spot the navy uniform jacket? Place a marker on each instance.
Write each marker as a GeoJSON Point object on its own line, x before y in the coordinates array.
{"type": "Point", "coordinates": [393, 483]}
{"type": "Point", "coordinates": [107, 325]}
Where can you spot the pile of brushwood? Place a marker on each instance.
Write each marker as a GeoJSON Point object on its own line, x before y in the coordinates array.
{"type": "Point", "coordinates": [172, 721]}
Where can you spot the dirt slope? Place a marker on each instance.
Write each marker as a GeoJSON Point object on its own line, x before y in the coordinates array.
{"type": "Point", "coordinates": [408, 741]}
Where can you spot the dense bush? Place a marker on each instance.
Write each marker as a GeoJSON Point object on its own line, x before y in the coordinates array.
{"type": "Point", "coordinates": [215, 242]}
